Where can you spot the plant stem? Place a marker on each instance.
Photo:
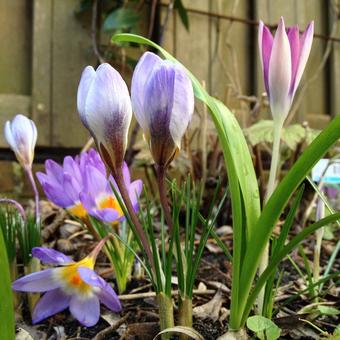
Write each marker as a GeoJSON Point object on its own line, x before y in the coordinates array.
{"type": "Point", "coordinates": [166, 313]}
{"type": "Point", "coordinates": [162, 196]}
{"type": "Point", "coordinates": [277, 128]}
{"type": "Point", "coordinates": [119, 178]}
{"type": "Point", "coordinates": [36, 194]}
{"type": "Point", "coordinates": [185, 314]}
{"type": "Point", "coordinates": [32, 267]}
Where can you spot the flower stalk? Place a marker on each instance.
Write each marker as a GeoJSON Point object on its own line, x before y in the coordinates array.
{"type": "Point", "coordinates": [30, 176]}
{"type": "Point", "coordinates": [166, 313]}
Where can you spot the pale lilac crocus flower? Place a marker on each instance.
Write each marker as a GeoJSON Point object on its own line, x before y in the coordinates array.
{"type": "Point", "coordinates": [63, 184]}
{"type": "Point", "coordinates": [21, 135]}
{"type": "Point", "coordinates": [104, 106]}
{"type": "Point", "coordinates": [283, 60]}
{"type": "Point", "coordinates": [99, 199]}
{"type": "Point", "coordinates": [163, 103]}
{"type": "Point", "coordinates": [73, 285]}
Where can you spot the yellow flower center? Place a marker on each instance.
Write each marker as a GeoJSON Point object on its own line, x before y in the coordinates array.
{"type": "Point", "coordinates": [72, 282]}
{"type": "Point", "coordinates": [78, 210]}
{"type": "Point", "coordinates": [112, 203]}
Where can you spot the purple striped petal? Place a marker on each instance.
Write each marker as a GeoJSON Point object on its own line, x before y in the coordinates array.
{"type": "Point", "coordinates": [42, 281]}
{"type": "Point", "coordinates": [294, 41]}
{"type": "Point", "coordinates": [135, 190]}
{"type": "Point", "coordinates": [52, 302]}
{"type": "Point", "coordinates": [265, 45]}
{"type": "Point", "coordinates": [85, 309]}
{"type": "Point", "coordinates": [183, 105]}
{"type": "Point", "coordinates": [305, 47]}
{"type": "Point", "coordinates": [50, 256]}
{"type": "Point", "coordinates": [126, 174]}
{"type": "Point", "coordinates": [141, 75]}
{"type": "Point", "coordinates": [280, 74]}
{"type": "Point", "coordinates": [106, 294]}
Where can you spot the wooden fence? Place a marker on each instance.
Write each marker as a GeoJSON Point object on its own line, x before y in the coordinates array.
{"type": "Point", "coordinates": [44, 47]}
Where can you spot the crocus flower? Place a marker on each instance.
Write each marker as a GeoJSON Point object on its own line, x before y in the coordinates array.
{"type": "Point", "coordinates": [163, 103]}
{"type": "Point", "coordinates": [99, 199]}
{"type": "Point", "coordinates": [21, 135]}
{"type": "Point", "coordinates": [63, 184]}
{"type": "Point", "coordinates": [105, 109]}
{"type": "Point", "coordinates": [283, 60]}
{"type": "Point", "coordinates": [73, 285]}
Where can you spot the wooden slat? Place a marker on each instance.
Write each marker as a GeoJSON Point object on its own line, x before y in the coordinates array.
{"type": "Point", "coordinates": [41, 69]}
{"type": "Point", "coordinates": [15, 56]}
{"type": "Point", "coordinates": [71, 52]}
{"type": "Point", "coordinates": [10, 105]}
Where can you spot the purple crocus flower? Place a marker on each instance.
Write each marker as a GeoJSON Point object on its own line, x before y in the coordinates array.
{"type": "Point", "coordinates": [104, 106]}
{"type": "Point", "coordinates": [73, 285]}
{"type": "Point", "coordinates": [21, 134]}
{"type": "Point", "coordinates": [163, 103]}
{"type": "Point", "coordinates": [99, 199]}
{"type": "Point", "coordinates": [283, 60]}
{"type": "Point", "coordinates": [63, 184]}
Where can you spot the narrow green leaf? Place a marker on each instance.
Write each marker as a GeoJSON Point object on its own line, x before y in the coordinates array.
{"type": "Point", "coordinates": [183, 14]}
{"type": "Point", "coordinates": [6, 298]}
{"type": "Point", "coordinates": [122, 18]}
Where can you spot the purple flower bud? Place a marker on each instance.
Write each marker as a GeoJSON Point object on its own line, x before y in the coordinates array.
{"type": "Point", "coordinates": [163, 103]}
{"type": "Point", "coordinates": [283, 60]}
{"type": "Point", "coordinates": [105, 109]}
{"type": "Point", "coordinates": [21, 135]}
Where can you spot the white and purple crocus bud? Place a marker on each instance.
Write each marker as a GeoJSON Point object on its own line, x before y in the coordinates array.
{"type": "Point", "coordinates": [283, 60]}
{"type": "Point", "coordinates": [163, 103]}
{"type": "Point", "coordinates": [21, 135]}
{"type": "Point", "coordinates": [104, 106]}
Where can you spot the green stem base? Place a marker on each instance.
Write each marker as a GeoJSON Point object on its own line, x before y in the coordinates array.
{"type": "Point", "coordinates": [166, 313]}
{"type": "Point", "coordinates": [185, 314]}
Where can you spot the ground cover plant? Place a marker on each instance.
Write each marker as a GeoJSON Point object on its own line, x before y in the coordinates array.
{"type": "Point", "coordinates": [158, 242]}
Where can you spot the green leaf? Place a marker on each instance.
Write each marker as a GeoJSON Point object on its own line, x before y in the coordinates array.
{"type": "Point", "coordinates": [122, 18]}
{"type": "Point", "coordinates": [6, 306]}
{"type": "Point", "coordinates": [326, 310]}
{"type": "Point", "coordinates": [264, 328]}
{"type": "Point", "coordinates": [182, 12]}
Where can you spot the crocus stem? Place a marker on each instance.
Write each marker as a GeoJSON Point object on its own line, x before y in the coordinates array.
{"type": "Point", "coordinates": [270, 189]}
{"type": "Point", "coordinates": [36, 194]}
{"type": "Point", "coordinates": [17, 205]}
{"type": "Point", "coordinates": [32, 267]}
{"type": "Point", "coordinates": [119, 178]}
{"type": "Point", "coordinates": [185, 314]}
{"type": "Point", "coordinates": [166, 313]}
{"type": "Point", "coordinates": [163, 198]}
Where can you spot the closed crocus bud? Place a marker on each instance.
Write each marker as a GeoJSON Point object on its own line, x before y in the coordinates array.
{"type": "Point", "coordinates": [21, 135]}
{"type": "Point", "coordinates": [163, 103]}
{"type": "Point", "coordinates": [283, 60]}
{"type": "Point", "coordinates": [105, 109]}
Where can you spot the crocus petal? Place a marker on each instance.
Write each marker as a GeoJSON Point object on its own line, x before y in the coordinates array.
{"type": "Point", "coordinates": [108, 113]}
{"type": "Point", "coordinates": [106, 293]}
{"type": "Point", "coordinates": [126, 174]}
{"type": "Point", "coordinates": [50, 256]}
{"type": "Point", "coordinates": [280, 74]}
{"type": "Point", "coordinates": [135, 190]}
{"type": "Point", "coordinates": [265, 40]}
{"type": "Point", "coordinates": [140, 76]}
{"type": "Point", "coordinates": [57, 195]}
{"type": "Point", "coordinates": [294, 41]}
{"type": "Point", "coordinates": [183, 105]}
{"type": "Point", "coordinates": [86, 80]}
{"type": "Point", "coordinates": [52, 302]}
{"type": "Point", "coordinates": [305, 47]}
{"type": "Point", "coordinates": [42, 281]}
{"type": "Point", "coordinates": [21, 135]}
{"type": "Point", "coordinates": [85, 310]}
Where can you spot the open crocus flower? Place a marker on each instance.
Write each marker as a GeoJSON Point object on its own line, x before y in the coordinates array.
{"type": "Point", "coordinates": [105, 109]}
{"type": "Point", "coordinates": [63, 184]}
{"type": "Point", "coordinates": [21, 135]}
{"type": "Point", "coordinates": [163, 103]}
{"type": "Point", "coordinates": [99, 199]}
{"type": "Point", "coordinates": [73, 284]}
{"type": "Point", "coordinates": [283, 59]}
